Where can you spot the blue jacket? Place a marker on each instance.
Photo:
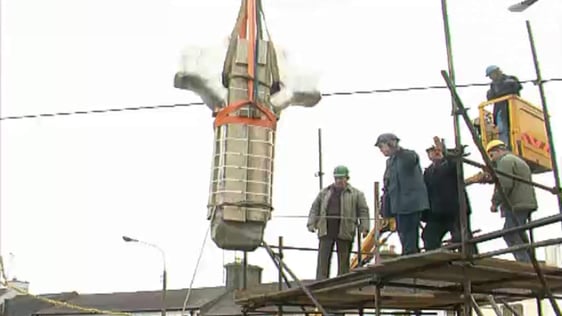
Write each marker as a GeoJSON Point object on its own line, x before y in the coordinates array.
{"type": "Point", "coordinates": [404, 187]}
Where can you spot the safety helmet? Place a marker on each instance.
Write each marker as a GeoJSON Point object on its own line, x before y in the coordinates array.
{"type": "Point", "coordinates": [493, 144]}
{"type": "Point", "coordinates": [491, 69]}
{"type": "Point", "coordinates": [385, 138]}
{"type": "Point", "coordinates": [341, 171]}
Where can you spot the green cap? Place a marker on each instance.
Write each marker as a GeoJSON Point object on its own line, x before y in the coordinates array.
{"type": "Point", "coordinates": [341, 171]}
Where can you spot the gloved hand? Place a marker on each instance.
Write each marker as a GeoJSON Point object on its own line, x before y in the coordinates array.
{"type": "Point", "coordinates": [311, 229]}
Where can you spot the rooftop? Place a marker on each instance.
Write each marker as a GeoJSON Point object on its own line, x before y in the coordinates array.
{"type": "Point", "coordinates": [140, 301]}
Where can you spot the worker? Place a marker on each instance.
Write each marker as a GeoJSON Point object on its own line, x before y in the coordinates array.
{"type": "Point", "coordinates": [335, 214]}
{"type": "Point", "coordinates": [500, 86]}
{"type": "Point", "coordinates": [404, 192]}
{"type": "Point", "coordinates": [521, 196]}
{"type": "Point", "coordinates": [443, 216]}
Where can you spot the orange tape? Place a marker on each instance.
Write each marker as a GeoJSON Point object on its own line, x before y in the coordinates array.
{"type": "Point", "coordinates": [223, 116]}
{"type": "Point", "coordinates": [248, 30]}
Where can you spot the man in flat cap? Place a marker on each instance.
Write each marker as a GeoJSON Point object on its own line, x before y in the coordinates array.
{"type": "Point", "coordinates": [404, 192]}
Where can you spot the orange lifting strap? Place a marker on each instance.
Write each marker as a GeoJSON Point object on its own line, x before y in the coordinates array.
{"type": "Point", "coordinates": [247, 23]}
{"type": "Point", "coordinates": [223, 116]}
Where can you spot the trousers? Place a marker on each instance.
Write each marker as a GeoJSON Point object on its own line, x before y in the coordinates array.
{"type": "Point", "coordinates": [514, 239]}
{"type": "Point", "coordinates": [503, 129]}
{"type": "Point", "coordinates": [326, 245]}
{"type": "Point", "coordinates": [434, 231]}
{"type": "Point", "coordinates": [407, 226]}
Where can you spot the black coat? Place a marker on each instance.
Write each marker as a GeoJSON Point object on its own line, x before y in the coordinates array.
{"type": "Point", "coordinates": [442, 189]}
{"type": "Point", "coordinates": [506, 85]}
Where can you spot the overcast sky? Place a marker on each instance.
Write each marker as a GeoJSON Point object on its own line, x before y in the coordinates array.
{"type": "Point", "coordinates": [71, 186]}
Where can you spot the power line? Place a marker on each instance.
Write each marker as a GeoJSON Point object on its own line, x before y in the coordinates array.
{"type": "Point", "coordinates": [169, 106]}
{"type": "Point", "coordinates": [86, 112]}
{"type": "Point", "coordinates": [425, 88]}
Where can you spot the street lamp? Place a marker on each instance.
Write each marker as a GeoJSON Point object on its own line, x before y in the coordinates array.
{"type": "Point", "coordinates": [521, 6]}
{"type": "Point", "coordinates": [164, 280]}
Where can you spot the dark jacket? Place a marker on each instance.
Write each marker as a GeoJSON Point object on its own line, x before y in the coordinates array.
{"type": "Point", "coordinates": [521, 195]}
{"type": "Point", "coordinates": [506, 85]}
{"type": "Point", "coordinates": [404, 188]}
{"type": "Point", "coordinates": [442, 190]}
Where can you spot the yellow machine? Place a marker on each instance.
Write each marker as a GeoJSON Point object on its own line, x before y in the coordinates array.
{"type": "Point", "coordinates": [528, 137]}
{"type": "Point", "coordinates": [480, 177]}
{"type": "Point", "coordinates": [368, 244]}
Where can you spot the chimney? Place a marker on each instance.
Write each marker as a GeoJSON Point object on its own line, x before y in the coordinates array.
{"type": "Point", "coordinates": [11, 293]}
{"type": "Point", "coordinates": [23, 285]}
{"type": "Point", "coordinates": [235, 275]}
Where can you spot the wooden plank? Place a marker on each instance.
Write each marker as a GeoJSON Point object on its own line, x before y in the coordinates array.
{"type": "Point", "coordinates": [394, 300]}
{"type": "Point", "coordinates": [392, 266]}
{"type": "Point", "coordinates": [369, 292]}
{"type": "Point", "coordinates": [523, 284]}
{"type": "Point", "coordinates": [454, 274]}
{"type": "Point", "coordinates": [493, 271]}
{"type": "Point", "coordinates": [517, 266]}
{"type": "Point", "coordinates": [441, 272]}
{"type": "Point", "coordinates": [389, 300]}
{"type": "Point", "coordinates": [411, 262]}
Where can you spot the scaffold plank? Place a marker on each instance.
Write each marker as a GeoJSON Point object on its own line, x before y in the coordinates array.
{"type": "Point", "coordinates": [422, 281]}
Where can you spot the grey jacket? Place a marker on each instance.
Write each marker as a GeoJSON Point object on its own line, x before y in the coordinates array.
{"type": "Point", "coordinates": [404, 188]}
{"type": "Point", "coordinates": [521, 195]}
{"type": "Point", "coordinates": [353, 203]}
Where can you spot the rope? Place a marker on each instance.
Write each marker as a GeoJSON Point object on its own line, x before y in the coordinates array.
{"type": "Point", "coordinates": [328, 94]}
{"type": "Point", "coordinates": [188, 295]}
{"type": "Point", "coordinates": [4, 281]}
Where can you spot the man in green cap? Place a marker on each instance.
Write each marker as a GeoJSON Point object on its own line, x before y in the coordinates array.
{"type": "Point", "coordinates": [335, 214]}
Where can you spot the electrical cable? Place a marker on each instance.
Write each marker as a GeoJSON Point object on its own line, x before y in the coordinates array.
{"type": "Point", "coordinates": [86, 112]}
{"type": "Point", "coordinates": [328, 94]}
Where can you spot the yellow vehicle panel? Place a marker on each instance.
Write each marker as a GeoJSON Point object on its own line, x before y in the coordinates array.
{"type": "Point", "coordinates": [528, 136]}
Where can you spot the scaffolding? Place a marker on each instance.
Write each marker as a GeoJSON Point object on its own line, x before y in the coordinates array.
{"type": "Point", "coordinates": [433, 280]}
